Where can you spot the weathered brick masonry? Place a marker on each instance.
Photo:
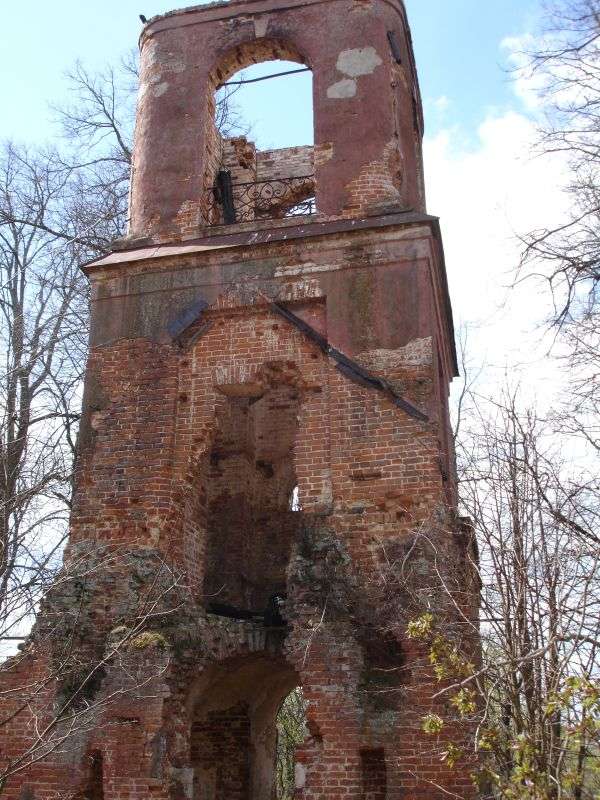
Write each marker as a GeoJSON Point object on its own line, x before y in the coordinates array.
{"type": "Point", "coordinates": [265, 417]}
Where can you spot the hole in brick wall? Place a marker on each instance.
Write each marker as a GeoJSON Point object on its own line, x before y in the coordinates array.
{"type": "Point", "coordinates": [292, 730]}
{"type": "Point", "coordinates": [237, 734]}
{"type": "Point", "coordinates": [94, 788]}
{"type": "Point", "coordinates": [384, 671]}
{"type": "Point", "coordinates": [295, 499]}
{"type": "Point", "coordinates": [373, 774]}
{"type": "Point", "coordinates": [249, 479]}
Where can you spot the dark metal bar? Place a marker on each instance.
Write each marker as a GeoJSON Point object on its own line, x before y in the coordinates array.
{"type": "Point", "coordinates": [224, 192]}
{"type": "Point", "coordinates": [187, 317]}
{"type": "Point", "coordinates": [349, 367]}
{"type": "Point", "coordinates": [265, 77]}
{"type": "Point", "coordinates": [394, 47]}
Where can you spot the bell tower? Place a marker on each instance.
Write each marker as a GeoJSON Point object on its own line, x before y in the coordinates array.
{"type": "Point", "coordinates": [266, 487]}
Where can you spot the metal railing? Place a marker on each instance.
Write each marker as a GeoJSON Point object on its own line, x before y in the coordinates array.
{"type": "Point", "coordinates": [228, 203]}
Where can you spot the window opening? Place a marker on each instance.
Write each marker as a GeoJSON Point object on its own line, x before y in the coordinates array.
{"type": "Point", "coordinates": [248, 480]}
{"type": "Point", "coordinates": [270, 103]}
{"type": "Point", "coordinates": [295, 499]}
{"type": "Point", "coordinates": [260, 160]}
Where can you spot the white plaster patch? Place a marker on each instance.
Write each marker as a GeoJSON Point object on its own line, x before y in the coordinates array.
{"type": "Point", "coordinates": [300, 290]}
{"type": "Point", "coordinates": [260, 27]}
{"type": "Point", "coordinates": [157, 91]}
{"type": "Point", "coordinates": [342, 89]}
{"type": "Point", "coordinates": [233, 374]}
{"type": "Point", "coordinates": [322, 153]}
{"type": "Point", "coordinates": [418, 352]}
{"type": "Point", "coordinates": [361, 61]}
{"type": "Point", "coordinates": [173, 62]}
{"type": "Point", "coordinates": [300, 776]}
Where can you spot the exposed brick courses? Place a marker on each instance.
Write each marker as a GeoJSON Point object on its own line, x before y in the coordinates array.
{"type": "Point", "coordinates": [225, 458]}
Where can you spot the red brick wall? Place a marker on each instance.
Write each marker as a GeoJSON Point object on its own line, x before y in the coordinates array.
{"type": "Point", "coordinates": [193, 437]}
{"type": "Point", "coordinates": [367, 107]}
{"type": "Point", "coordinates": [221, 752]}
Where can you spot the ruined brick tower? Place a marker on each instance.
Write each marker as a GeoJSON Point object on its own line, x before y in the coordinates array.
{"type": "Point", "coordinates": [265, 440]}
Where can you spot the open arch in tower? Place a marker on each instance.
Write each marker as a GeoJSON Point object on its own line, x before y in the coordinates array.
{"type": "Point", "coordinates": [244, 180]}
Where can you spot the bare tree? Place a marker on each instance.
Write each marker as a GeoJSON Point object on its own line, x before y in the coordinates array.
{"type": "Point", "coordinates": [58, 209]}
{"type": "Point", "coordinates": [566, 63]}
{"type": "Point", "coordinates": [71, 696]}
{"type": "Point", "coordinates": [533, 700]}
{"type": "Point", "coordinates": [43, 313]}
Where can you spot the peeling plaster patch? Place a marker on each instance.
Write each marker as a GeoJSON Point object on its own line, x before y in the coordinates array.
{"type": "Point", "coordinates": [322, 153]}
{"type": "Point", "coordinates": [324, 501]}
{"type": "Point", "coordinates": [299, 290]}
{"type": "Point", "coordinates": [172, 62]}
{"type": "Point", "coordinates": [300, 776]}
{"type": "Point", "coordinates": [185, 778]}
{"type": "Point", "coordinates": [97, 419]}
{"type": "Point", "coordinates": [157, 58]}
{"type": "Point", "coordinates": [157, 91]}
{"type": "Point", "coordinates": [361, 61]}
{"type": "Point", "coordinates": [342, 89]}
{"type": "Point", "coordinates": [260, 27]}
{"type": "Point", "coordinates": [418, 352]}
{"type": "Point", "coordinates": [233, 374]}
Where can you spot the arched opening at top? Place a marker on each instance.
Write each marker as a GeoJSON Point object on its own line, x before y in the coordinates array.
{"type": "Point", "coordinates": [260, 162]}
{"type": "Point", "coordinates": [270, 103]}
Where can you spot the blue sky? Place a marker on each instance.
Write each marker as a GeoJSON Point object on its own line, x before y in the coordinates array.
{"type": "Point", "coordinates": [457, 45]}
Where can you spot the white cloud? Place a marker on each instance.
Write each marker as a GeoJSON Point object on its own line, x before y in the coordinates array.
{"type": "Point", "coordinates": [528, 84]}
{"type": "Point", "coordinates": [486, 196]}
{"type": "Point", "coordinates": [442, 103]}
{"type": "Point", "coordinates": [540, 89]}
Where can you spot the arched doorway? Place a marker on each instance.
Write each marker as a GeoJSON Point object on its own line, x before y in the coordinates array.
{"type": "Point", "coordinates": [234, 731]}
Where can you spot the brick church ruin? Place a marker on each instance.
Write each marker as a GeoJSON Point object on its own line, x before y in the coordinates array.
{"type": "Point", "coordinates": [265, 442]}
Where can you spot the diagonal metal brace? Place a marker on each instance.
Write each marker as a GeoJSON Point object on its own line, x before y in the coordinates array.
{"type": "Point", "coordinates": [346, 365]}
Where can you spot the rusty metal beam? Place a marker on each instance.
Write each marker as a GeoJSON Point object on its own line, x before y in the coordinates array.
{"type": "Point", "coordinates": [348, 366]}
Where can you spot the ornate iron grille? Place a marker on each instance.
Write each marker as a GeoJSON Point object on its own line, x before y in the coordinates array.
{"type": "Point", "coordinates": [228, 203]}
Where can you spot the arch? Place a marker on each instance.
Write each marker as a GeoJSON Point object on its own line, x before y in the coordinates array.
{"type": "Point", "coordinates": [233, 726]}
{"type": "Point", "coordinates": [242, 183]}
{"type": "Point", "coordinates": [254, 52]}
